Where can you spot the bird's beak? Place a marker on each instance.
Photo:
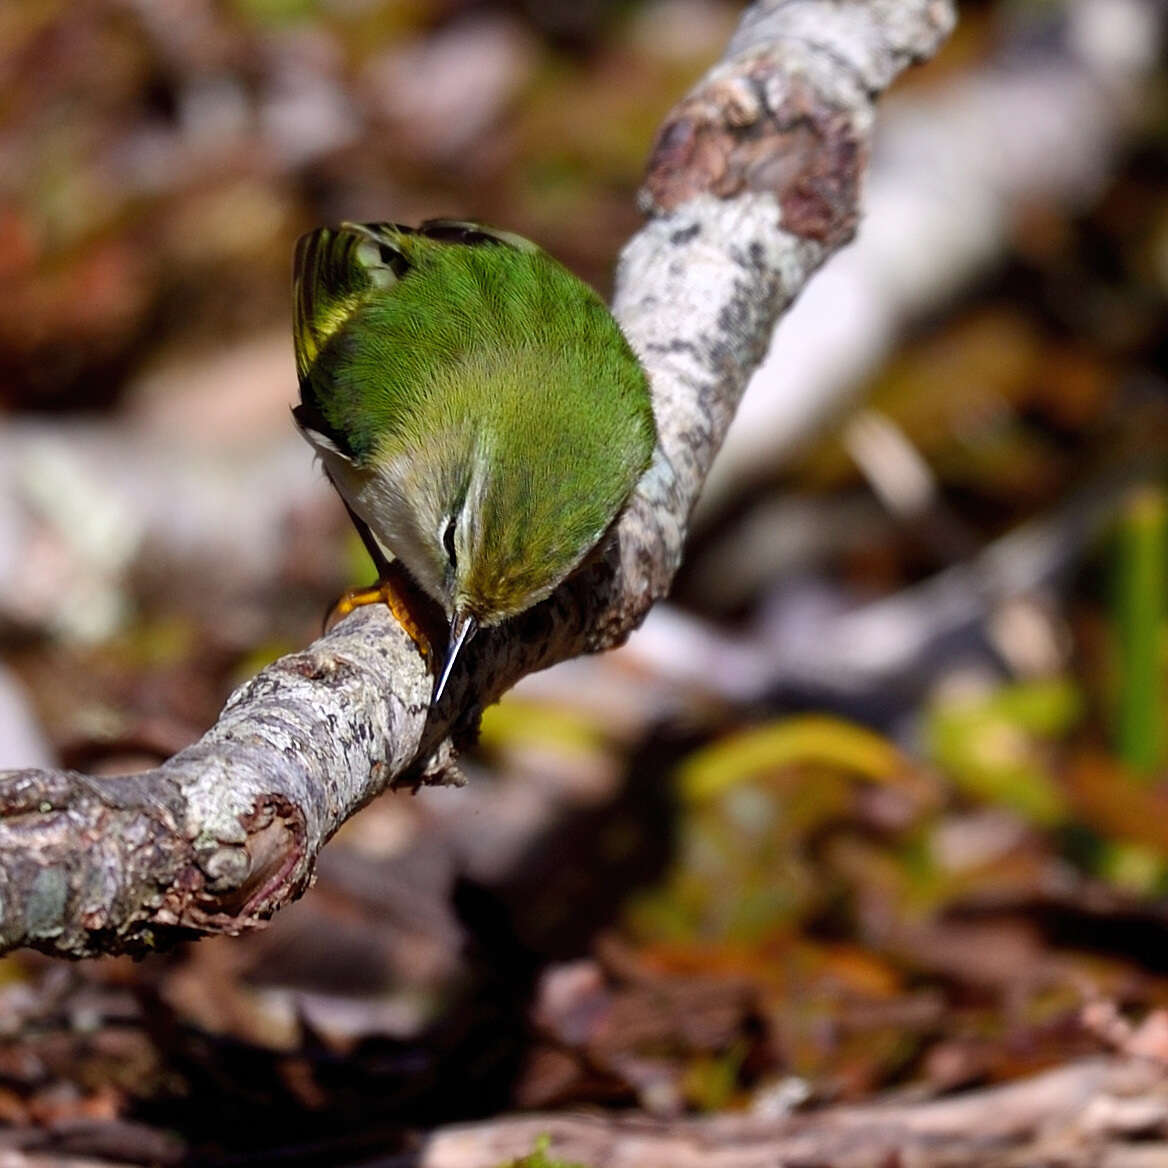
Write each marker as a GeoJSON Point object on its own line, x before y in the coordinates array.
{"type": "Point", "coordinates": [463, 626]}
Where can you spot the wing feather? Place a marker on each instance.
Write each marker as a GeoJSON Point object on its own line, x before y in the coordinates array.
{"type": "Point", "coordinates": [335, 272]}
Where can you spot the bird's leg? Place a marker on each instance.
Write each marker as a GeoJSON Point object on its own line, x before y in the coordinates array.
{"type": "Point", "coordinates": [396, 590]}
{"type": "Point", "coordinates": [399, 594]}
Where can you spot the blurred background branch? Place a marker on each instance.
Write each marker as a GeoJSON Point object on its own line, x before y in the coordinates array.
{"type": "Point", "coordinates": [1080, 1110]}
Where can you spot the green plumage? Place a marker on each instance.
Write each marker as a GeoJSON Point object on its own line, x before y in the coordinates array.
{"type": "Point", "coordinates": [475, 404]}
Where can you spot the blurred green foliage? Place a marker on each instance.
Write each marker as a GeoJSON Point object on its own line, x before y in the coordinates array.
{"type": "Point", "coordinates": [539, 1158]}
{"type": "Point", "coordinates": [997, 746]}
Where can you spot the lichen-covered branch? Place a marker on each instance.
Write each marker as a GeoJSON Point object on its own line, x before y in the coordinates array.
{"type": "Point", "coordinates": [753, 182]}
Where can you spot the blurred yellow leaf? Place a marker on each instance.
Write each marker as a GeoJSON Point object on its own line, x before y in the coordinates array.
{"type": "Point", "coordinates": [515, 721]}
{"type": "Point", "coordinates": [811, 739]}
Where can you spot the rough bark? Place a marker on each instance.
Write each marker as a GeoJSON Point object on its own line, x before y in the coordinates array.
{"type": "Point", "coordinates": [1099, 1113]}
{"type": "Point", "coordinates": [753, 182]}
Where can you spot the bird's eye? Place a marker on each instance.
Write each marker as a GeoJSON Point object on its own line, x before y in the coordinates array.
{"type": "Point", "coordinates": [448, 542]}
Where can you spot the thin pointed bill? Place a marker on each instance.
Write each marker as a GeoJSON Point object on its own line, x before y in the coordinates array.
{"type": "Point", "coordinates": [462, 628]}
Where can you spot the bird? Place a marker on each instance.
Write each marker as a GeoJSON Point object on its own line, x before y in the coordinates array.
{"type": "Point", "coordinates": [474, 403]}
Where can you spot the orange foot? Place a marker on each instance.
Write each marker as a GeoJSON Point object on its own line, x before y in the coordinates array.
{"type": "Point", "coordinates": [402, 597]}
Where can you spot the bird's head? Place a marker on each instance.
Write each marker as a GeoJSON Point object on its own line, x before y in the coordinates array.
{"type": "Point", "coordinates": [494, 540]}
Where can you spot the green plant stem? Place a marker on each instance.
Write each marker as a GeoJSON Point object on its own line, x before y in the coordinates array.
{"type": "Point", "coordinates": [1142, 571]}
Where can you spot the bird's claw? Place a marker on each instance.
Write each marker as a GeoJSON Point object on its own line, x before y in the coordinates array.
{"type": "Point", "coordinates": [396, 594]}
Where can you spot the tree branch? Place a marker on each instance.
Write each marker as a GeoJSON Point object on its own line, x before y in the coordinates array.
{"type": "Point", "coordinates": [753, 182]}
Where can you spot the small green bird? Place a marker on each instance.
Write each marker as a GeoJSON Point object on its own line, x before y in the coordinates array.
{"type": "Point", "coordinates": [474, 403]}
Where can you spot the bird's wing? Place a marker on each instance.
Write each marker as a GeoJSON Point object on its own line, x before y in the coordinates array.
{"type": "Point", "coordinates": [335, 272]}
